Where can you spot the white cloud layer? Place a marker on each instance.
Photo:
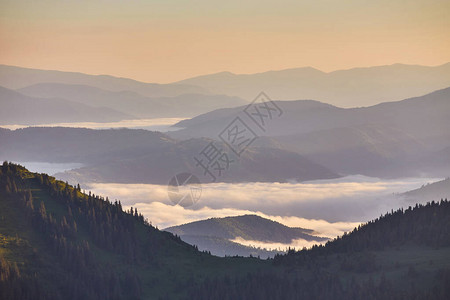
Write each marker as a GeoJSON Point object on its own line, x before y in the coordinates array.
{"type": "Point", "coordinates": [166, 215]}
{"type": "Point", "coordinates": [330, 207]}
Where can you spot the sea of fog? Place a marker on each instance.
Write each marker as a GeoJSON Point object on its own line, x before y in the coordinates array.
{"type": "Point", "coordinates": [157, 124]}
{"type": "Point", "coordinates": [330, 207]}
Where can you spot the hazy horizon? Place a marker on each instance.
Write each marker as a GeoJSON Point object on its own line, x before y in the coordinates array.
{"type": "Point", "coordinates": [172, 40]}
{"type": "Point", "coordinates": [351, 67]}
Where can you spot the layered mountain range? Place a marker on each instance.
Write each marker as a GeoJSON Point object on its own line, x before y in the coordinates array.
{"type": "Point", "coordinates": [70, 95]}
{"type": "Point", "coordinates": [392, 139]}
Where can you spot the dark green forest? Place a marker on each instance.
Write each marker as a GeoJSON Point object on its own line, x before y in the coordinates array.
{"type": "Point", "coordinates": [59, 243]}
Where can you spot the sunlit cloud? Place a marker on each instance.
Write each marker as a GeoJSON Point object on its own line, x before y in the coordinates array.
{"type": "Point", "coordinates": [166, 215]}
{"type": "Point", "coordinates": [329, 207]}
{"type": "Point", "coordinates": [352, 199]}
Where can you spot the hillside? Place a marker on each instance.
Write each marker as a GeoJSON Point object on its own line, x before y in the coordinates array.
{"type": "Point", "coordinates": [16, 108]}
{"type": "Point", "coordinates": [437, 161]}
{"type": "Point", "coordinates": [397, 256]}
{"type": "Point", "coordinates": [140, 156]}
{"type": "Point", "coordinates": [345, 88]}
{"type": "Point", "coordinates": [129, 102]}
{"type": "Point", "coordinates": [305, 116]}
{"type": "Point", "coordinates": [216, 234]}
{"type": "Point", "coordinates": [58, 243]}
{"type": "Point", "coordinates": [60, 144]}
{"type": "Point", "coordinates": [223, 247]}
{"type": "Point", "coordinates": [17, 77]}
{"type": "Point", "coordinates": [255, 165]}
{"type": "Point", "coordinates": [404, 138]}
{"type": "Point", "coordinates": [248, 227]}
{"type": "Point", "coordinates": [432, 191]}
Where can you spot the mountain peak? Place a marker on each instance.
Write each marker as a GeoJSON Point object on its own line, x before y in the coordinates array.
{"type": "Point", "coordinates": [248, 227]}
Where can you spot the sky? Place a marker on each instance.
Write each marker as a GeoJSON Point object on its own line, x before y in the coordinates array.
{"type": "Point", "coordinates": [169, 40]}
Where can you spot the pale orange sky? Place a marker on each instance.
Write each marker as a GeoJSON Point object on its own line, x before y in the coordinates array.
{"type": "Point", "coordinates": [169, 40]}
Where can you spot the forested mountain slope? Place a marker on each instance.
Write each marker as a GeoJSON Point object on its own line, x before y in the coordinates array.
{"type": "Point", "coordinates": [217, 234]}
{"type": "Point", "coordinates": [345, 88]}
{"type": "Point", "coordinates": [58, 243]}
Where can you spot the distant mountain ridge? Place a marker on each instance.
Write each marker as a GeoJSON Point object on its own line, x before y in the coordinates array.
{"type": "Point", "coordinates": [133, 103]}
{"type": "Point", "coordinates": [354, 87]}
{"type": "Point", "coordinates": [344, 88]}
{"type": "Point", "coordinates": [16, 108]}
{"type": "Point", "coordinates": [18, 77]}
{"type": "Point", "coordinates": [304, 116]}
{"type": "Point", "coordinates": [128, 97]}
{"type": "Point", "coordinates": [402, 138]}
{"type": "Point", "coordinates": [431, 192]}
